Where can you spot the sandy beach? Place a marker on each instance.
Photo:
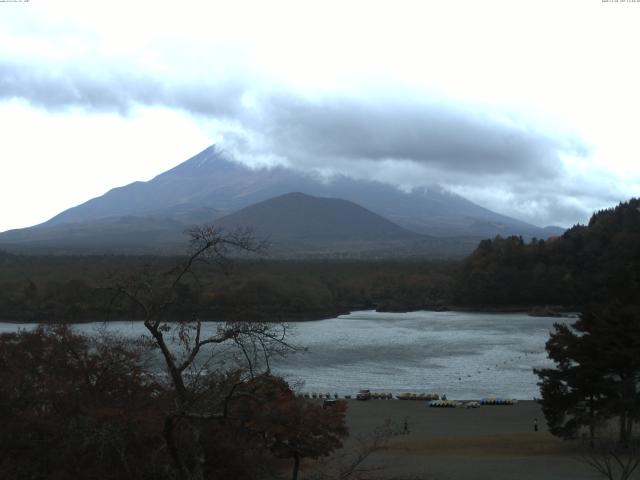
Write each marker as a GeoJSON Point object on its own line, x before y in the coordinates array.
{"type": "Point", "coordinates": [489, 442]}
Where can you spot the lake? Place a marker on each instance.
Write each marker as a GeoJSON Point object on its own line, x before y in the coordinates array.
{"type": "Point", "coordinates": [463, 355]}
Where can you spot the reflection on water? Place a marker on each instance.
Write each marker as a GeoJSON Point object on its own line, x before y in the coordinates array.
{"type": "Point", "coordinates": [465, 355]}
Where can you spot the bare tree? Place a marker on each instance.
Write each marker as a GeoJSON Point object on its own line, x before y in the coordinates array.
{"type": "Point", "coordinates": [188, 352]}
{"type": "Point", "coordinates": [350, 464]}
{"type": "Point", "coordinates": [612, 460]}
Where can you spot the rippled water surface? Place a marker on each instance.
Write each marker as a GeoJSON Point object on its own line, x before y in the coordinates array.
{"type": "Point", "coordinates": [465, 355]}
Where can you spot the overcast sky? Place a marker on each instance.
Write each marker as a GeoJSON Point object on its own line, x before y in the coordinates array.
{"type": "Point", "coordinates": [530, 108]}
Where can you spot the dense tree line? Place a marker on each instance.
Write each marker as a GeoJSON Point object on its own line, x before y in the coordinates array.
{"type": "Point", "coordinates": [587, 263]}
{"type": "Point", "coordinates": [73, 288]}
{"type": "Point", "coordinates": [594, 387]}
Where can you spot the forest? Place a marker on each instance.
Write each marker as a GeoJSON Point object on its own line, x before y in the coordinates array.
{"type": "Point", "coordinates": [563, 273]}
{"type": "Point", "coordinates": [77, 288]}
{"type": "Point", "coordinates": [589, 263]}
{"type": "Point", "coordinates": [591, 393]}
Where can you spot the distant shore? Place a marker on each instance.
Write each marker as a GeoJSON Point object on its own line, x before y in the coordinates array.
{"type": "Point", "coordinates": [534, 311]}
{"type": "Point", "coordinates": [537, 311]}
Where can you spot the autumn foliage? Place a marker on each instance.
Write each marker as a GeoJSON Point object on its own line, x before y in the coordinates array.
{"type": "Point", "coordinates": [74, 407]}
{"type": "Point", "coordinates": [293, 427]}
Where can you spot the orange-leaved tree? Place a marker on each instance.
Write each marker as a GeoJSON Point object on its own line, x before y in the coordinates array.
{"type": "Point", "coordinates": [294, 427]}
{"type": "Point", "coordinates": [76, 407]}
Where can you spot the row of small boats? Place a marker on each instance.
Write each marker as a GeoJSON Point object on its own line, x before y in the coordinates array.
{"type": "Point", "coordinates": [434, 399]}
{"type": "Point", "coordinates": [360, 396]}
{"type": "Point", "coordinates": [381, 396]}
{"type": "Point", "coordinates": [418, 396]}
{"type": "Point", "coordinates": [453, 404]}
{"type": "Point", "coordinates": [319, 395]}
{"type": "Point", "coordinates": [498, 401]}
{"type": "Point", "coordinates": [472, 403]}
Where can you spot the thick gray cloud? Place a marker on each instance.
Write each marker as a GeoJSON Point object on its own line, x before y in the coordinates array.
{"type": "Point", "coordinates": [563, 200]}
{"type": "Point", "coordinates": [446, 136]}
{"type": "Point", "coordinates": [311, 131]}
{"type": "Point", "coordinates": [56, 87]}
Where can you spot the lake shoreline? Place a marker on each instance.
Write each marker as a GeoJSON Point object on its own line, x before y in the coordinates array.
{"type": "Point", "coordinates": [543, 311]}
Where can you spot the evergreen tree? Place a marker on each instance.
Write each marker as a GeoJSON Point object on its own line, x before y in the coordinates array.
{"type": "Point", "coordinates": [597, 372]}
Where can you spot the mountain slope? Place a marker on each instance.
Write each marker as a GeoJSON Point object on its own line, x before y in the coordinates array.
{"type": "Point", "coordinates": [151, 216]}
{"type": "Point", "coordinates": [213, 181]}
{"type": "Point", "coordinates": [130, 234]}
{"type": "Point", "coordinates": [296, 225]}
{"type": "Point", "coordinates": [296, 216]}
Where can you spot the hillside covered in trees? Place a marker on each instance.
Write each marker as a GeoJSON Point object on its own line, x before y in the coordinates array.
{"type": "Point", "coordinates": [592, 263]}
{"type": "Point", "coordinates": [588, 263]}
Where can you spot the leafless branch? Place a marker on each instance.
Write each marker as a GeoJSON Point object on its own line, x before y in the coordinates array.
{"type": "Point", "coordinates": [613, 461]}
{"type": "Point", "coordinates": [196, 399]}
{"type": "Point", "coordinates": [350, 464]}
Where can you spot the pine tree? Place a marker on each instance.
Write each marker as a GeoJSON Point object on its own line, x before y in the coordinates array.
{"type": "Point", "coordinates": [597, 372]}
